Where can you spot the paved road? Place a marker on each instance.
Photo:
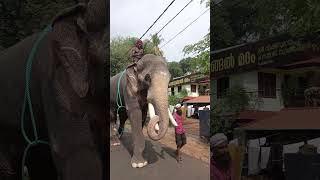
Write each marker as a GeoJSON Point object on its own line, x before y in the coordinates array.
{"type": "Point", "coordinates": [162, 164]}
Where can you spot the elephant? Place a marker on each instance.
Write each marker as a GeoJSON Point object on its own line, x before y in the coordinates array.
{"type": "Point", "coordinates": [68, 91]}
{"type": "Point", "coordinates": [141, 87]}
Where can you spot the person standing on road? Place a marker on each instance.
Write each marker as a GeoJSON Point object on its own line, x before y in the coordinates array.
{"type": "Point", "coordinates": [137, 51]}
{"type": "Point", "coordinates": [181, 138]}
{"type": "Point", "coordinates": [221, 166]}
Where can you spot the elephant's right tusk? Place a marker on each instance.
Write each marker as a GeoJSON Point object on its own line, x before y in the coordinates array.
{"type": "Point", "coordinates": [171, 118]}
{"type": "Point", "coordinates": [153, 114]}
{"type": "Point", "coordinates": [151, 110]}
{"type": "Point", "coordinates": [156, 127]}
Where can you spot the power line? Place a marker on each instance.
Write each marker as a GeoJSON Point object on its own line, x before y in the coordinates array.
{"type": "Point", "coordinates": [185, 27]}
{"type": "Point", "coordinates": [157, 19]}
{"type": "Point", "coordinates": [174, 17]}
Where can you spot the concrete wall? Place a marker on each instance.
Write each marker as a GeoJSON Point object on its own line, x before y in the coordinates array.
{"type": "Point", "coordinates": [188, 88]}
{"type": "Point", "coordinates": [249, 80]}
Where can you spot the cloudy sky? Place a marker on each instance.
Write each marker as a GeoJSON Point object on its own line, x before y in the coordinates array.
{"type": "Point", "coordinates": [133, 17]}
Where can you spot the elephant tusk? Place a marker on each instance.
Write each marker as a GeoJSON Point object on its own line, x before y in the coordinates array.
{"type": "Point", "coordinates": [153, 114]}
{"type": "Point", "coordinates": [156, 127]}
{"type": "Point", "coordinates": [151, 110]}
{"type": "Point", "coordinates": [171, 118]}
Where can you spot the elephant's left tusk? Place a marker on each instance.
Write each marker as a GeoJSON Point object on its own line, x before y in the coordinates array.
{"type": "Point", "coordinates": [171, 118]}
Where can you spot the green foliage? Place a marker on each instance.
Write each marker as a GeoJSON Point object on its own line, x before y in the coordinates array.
{"type": "Point", "coordinates": [175, 99]}
{"type": "Point", "coordinates": [120, 54]}
{"type": "Point", "coordinates": [234, 101]}
{"type": "Point", "coordinates": [186, 65]}
{"type": "Point", "coordinates": [175, 69]}
{"type": "Point", "coordinates": [201, 54]}
{"type": "Point", "coordinates": [249, 20]}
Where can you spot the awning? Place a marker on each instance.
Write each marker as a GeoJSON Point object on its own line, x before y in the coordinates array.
{"type": "Point", "coordinates": [187, 98]}
{"type": "Point", "coordinates": [289, 119]}
{"type": "Point", "coordinates": [287, 126]}
{"type": "Point", "coordinates": [302, 64]}
{"type": "Point", "coordinates": [199, 99]}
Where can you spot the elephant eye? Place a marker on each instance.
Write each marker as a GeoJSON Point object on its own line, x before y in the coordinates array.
{"type": "Point", "coordinates": [147, 79]}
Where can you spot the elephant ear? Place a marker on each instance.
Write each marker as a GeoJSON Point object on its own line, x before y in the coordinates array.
{"type": "Point", "coordinates": [132, 79]}
{"type": "Point", "coordinates": [70, 37]}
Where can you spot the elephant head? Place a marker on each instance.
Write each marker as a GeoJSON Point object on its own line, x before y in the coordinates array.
{"type": "Point", "coordinates": [79, 44]}
{"type": "Point", "coordinates": [150, 77]}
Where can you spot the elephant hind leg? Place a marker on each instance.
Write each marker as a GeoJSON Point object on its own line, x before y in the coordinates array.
{"type": "Point", "coordinates": [114, 141]}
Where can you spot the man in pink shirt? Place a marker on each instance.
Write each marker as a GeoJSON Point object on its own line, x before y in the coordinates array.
{"type": "Point", "coordinates": [181, 139]}
{"type": "Point", "coordinates": [221, 166]}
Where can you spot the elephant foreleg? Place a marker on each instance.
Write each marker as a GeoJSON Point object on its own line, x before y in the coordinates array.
{"type": "Point", "coordinates": [144, 115]}
{"type": "Point", "coordinates": [123, 118]}
{"type": "Point", "coordinates": [135, 116]}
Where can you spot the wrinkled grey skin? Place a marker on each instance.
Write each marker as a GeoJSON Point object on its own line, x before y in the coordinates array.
{"type": "Point", "coordinates": [68, 97]}
{"type": "Point", "coordinates": [143, 82]}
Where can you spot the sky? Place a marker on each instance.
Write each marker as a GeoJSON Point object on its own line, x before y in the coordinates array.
{"type": "Point", "coordinates": [133, 17]}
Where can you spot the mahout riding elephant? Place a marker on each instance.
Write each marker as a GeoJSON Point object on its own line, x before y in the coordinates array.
{"type": "Point", "coordinates": [67, 89]}
{"type": "Point", "coordinates": [142, 86]}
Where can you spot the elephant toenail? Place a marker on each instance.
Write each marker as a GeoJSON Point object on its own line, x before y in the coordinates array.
{"type": "Point", "coordinates": [134, 165]}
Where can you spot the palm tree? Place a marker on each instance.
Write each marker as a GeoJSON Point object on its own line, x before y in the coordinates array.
{"type": "Point", "coordinates": [156, 40]}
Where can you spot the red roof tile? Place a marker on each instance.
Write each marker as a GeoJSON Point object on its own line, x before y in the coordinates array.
{"type": "Point", "coordinates": [199, 99]}
{"type": "Point", "coordinates": [289, 119]}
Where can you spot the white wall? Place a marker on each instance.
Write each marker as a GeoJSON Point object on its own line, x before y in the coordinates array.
{"type": "Point", "coordinates": [188, 88]}
{"type": "Point", "coordinates": [249, 80]}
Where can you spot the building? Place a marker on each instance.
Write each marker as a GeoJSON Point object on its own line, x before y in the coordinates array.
{"type": "Point", "coordinates": [195, 84]}
{"type": "Point", "coordinates": [274, 72]}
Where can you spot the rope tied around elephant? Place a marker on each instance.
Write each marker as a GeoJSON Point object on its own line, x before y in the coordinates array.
{"type": "Point", "coordinates": [119, 100]}
{"type": "Point", "coordinates": [27, 100]}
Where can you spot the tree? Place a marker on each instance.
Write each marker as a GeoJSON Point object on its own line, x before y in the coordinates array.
{"type": "Point", "coordinates": [186, 65]}
{"type": "Point", "coordinates": [234, 101]}
{"type": "Point", "coordinates": [175, 69]}
{"type": "Point", "coordinates": [244, 21]}
{"type": "Point", "coordinates": [120, 51]}
{"type": "Point", "coordinates": [120, 54]}
{"type": "Point", "coordinates": [156, 40]}
{"type": "Point", "coordinates": [201, 53]}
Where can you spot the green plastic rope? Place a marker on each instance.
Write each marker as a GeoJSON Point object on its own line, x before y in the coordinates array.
{"type": "Point", "coordinates": [119, 101]}
{"type": "Point", "coordinates": [27, 99]}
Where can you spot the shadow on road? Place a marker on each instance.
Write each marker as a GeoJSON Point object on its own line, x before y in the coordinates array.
{"type": "Point", "coordinates": [150, 153]}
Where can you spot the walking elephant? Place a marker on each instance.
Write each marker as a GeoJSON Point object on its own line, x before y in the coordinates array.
{"type": "Point", "coordinates": [142, 86]}
{"type": "Point", "coordinates": [67, 90]}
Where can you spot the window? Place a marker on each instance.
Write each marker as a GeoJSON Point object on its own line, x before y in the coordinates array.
{"type": "Point", "coordinates": [267, 85]}
{"type": "Point", "coordinates": [172, 91]}
{"type": "Point", "coordinates": [179, 88]}
{"type": "Point", "coordinates": [193, 88]}
{"type": "Point", "coordinates": [222, 86]}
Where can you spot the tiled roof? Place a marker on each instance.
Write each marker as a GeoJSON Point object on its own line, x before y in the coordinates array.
{"type": "Point", "coordinates": [199, 99]}
{"type": "Point", "coordinates": [289, 119]}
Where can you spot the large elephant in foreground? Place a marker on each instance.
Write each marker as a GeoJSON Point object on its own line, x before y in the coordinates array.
{"type": "Point", "coordinates": [67, 89]}
{"type": "Point", "coordinates": [142, 86]}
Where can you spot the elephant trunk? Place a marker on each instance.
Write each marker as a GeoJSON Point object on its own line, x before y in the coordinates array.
{"type": "Point", "coordinates": [159, 99]}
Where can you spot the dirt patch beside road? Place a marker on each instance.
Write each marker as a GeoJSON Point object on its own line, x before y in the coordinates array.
{"type": "Point", "coordinates": [195, 146]}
